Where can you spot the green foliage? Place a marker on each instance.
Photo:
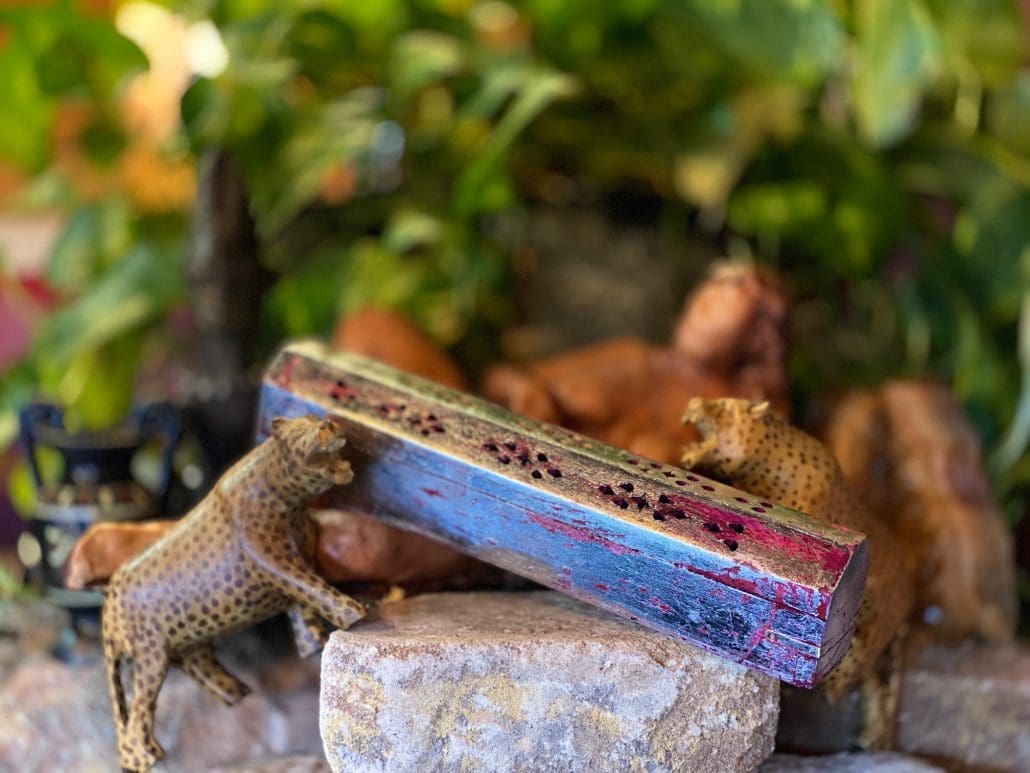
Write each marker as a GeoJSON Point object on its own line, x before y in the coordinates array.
{"type": "Point", "coordinates": [876, 151]}
{"type": "Point", "coordinates": [55, 53]}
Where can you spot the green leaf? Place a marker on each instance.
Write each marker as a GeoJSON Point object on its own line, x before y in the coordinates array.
{"type": "Point", "coordinates": [130, 294]}
{"type": "Point", "coordinates": [103, 381]}
{"type": "Point", "coordinates": [539, 90]}
{"type": "Point", "coordinates": [777, 209]}
{"type": "Point", "coordinates": [800, 41]}
{"type": "Point", "coordinates": [25, 139]}
{"type": "Point", "coordinates": [992, 237]}
{"type": "Point", "coordinates": [411, 229]}
{"type": "Point", "coordinates": [336, 133]}
{"type": "Point", "coordinates": [898, 56]}
{"type": "Point", "coordinates": [421, 58]}
{"type": "Point", "coordinates": [987, 35]}
{"type": "Point", "coordinates": [1008, 113]}
{"type": "Point", "coordinates": [304, 301]}
{"type": "Point", "coordinates": [93, 238]}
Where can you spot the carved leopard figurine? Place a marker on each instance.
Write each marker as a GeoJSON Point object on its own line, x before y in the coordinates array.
{"type": "Point", "coordinates": [749, 447]}
{"type": "Point", "coordinates": [236, 559]}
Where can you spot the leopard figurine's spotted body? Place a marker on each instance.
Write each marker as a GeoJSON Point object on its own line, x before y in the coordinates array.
{"type": "Point", "coordinates": [236, 559]}
{"type": "Point", "coordinates": [749, 447]}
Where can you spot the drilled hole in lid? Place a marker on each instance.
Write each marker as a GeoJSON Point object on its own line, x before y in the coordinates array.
{"type": "Point", "coordinates": [712, 527]}
{"type": "Point", "coordinates": [438, 428]}
{"type": "Point", "coordinates": [431, 417]}
{"type": "Point", "coordinates": [554, 472]}
{"type": "Point", "coordinates": [737, 527]}
{"type": "Point", "coordinates": [341, 384]}
{"type": "Point", "coordinates": [657, 516]}
{"type": "Point", "coordinates": [626, 486]}
{"type": "Point", "coordinates": [606, 490]}
{"type": "Point", "coordinates": [766, 504]}
{"type": "Point", "coordinates": [523, 459]}
{"type": "Point", "coordinates": [491, 447]}
{"type": "Point", "coordinates": [640, 502]}
{"type": "Point", "coordinates": [741, 499]}
{"type": "Point", "coordinates": [622, 503]}
{"type": "Point", "coordinates": [679, 514]}
{"type": "Point", "coordinates": [681, 483]}
{"type": "Point", "coordinates": [632, 461]}
{"type": "Point", "coordinates": [730, 543]}
{"type": "Point", "coordinates": [537, 474]}
{"type": "Point", "coordinates": [541, 457]}
{"type": "Point", "coordinates": [503, 459]}
{"type": "Point", "coordinates": [664, 499]}
{"type": "Point", "coordinates": [758, 509]}
{"type": "Point", "coordinates": [425, 431]}
{"type": "Point", "coordinates": [510, 446]}
{"type": "Point", "coordinates": [693, 478]}
{"type": "Point", "coordinates": [708, 488]}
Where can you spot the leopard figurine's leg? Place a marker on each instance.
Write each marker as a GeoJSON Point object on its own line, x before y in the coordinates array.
{"type": "Point", "coordinates": [200, 663]}
{"type": "Point", "coordinates": [695, 453]}
{"type": "Point", "coordinates": [308, 632]}
{"type": "Point", "coordinates": [292, 577]}
{"type": "Point", "coordinates": [137, 747]}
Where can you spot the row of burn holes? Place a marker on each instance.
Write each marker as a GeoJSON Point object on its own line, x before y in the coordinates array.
{"type": "Point", "coordinates": [385, 409]}
{"type": "Point", "coordinates": [523, 458]}
{"type": "Point", "coordinates": [623, 502]}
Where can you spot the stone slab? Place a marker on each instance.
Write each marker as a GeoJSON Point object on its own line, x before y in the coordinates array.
{"type": "Point", "coordinates": [56, 716]}
{"type": "Point", "coordinates": [533, 681]}
{"type": "Point", "coordinates": [968, 705]}
{"type": "Point", "coordinates": [861, 762]}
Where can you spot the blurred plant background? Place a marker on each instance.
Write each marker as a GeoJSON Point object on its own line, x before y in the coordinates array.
{"type": "Point", "coordinates": [876, 152]}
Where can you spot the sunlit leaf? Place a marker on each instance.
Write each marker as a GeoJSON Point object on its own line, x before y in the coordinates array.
{"type": "Point", "coordinates": [420, 58]}
{"type": "Point", "coordinates": [706, 176]}
{"type": "Point", "coordinates": [898, 56]}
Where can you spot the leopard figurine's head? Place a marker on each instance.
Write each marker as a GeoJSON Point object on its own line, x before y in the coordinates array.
{"type": "Point", "coordinates": [314, 446]}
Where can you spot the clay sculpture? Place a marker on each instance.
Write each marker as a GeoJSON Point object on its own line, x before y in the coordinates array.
{"type": "Point", "coordinates": [914, 458]}
{"type": "Point", "coordinates": [730, 340]}
{"type": "Point", "coordinates": [237, 558]}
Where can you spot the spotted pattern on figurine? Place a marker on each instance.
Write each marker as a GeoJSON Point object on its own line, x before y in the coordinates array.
{"type": "Point", "coordinates": [749, 447]}
{"type": "Point", "coordinates": [239, 557]}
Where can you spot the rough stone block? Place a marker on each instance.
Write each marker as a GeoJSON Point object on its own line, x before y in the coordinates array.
{"type": "Point", "coordinates": [533, 681]}
{"type": "Point", "coordinates": [968, 705]}
{"type": "Point", "coordinates": [867, 762]}
{"type": "Point", "coordinates": [56, 716]}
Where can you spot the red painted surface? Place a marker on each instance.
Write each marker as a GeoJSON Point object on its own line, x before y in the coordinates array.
{"type": "Point", "coordinates": [582, 534]}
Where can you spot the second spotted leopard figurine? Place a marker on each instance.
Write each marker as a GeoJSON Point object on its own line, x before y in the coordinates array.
{"type": "Point", "coordinates": [239, 557]}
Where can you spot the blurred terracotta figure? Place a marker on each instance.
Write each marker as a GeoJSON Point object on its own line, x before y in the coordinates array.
{"type": "Point", "coordinates": [912, 454]}
{"type": "Point", "coordinates": [106, 546]}
{"type": "Point", "coordinates": [389, 337]}
{"type": "Point", "coordinates": [730, 341]}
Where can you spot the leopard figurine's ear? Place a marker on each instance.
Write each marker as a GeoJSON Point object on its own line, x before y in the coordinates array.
{"type": "Point", "coordinates": [758, 410]}
{"type": "Point", "coordinates": [278, 424]}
